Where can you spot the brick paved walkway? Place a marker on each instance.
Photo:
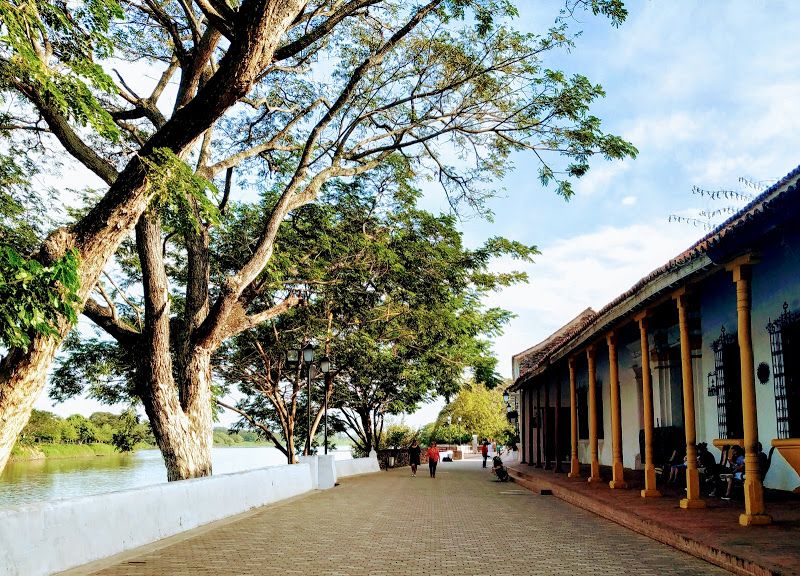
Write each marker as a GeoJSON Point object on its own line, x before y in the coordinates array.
{"type": "Point", "coordinates": [388, 523]}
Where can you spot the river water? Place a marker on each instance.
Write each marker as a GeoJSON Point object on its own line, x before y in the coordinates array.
{"type": "Point", "coordinates": [54, 479]}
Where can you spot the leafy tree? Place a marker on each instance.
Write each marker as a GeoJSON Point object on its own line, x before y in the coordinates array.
{"type": "Point", "coordinates": [482, 412]}
{"type": "Point", "coordinates": [43, 426]}
{"type": "Point", "coordinates": [397, 436]}
{"type": "Point", "coordinates": [425, 434]}
{"type": "Point", "coordinates": [68, 432]}
{"type": "Point", "coordinates": [392, 295]}
{"type": "Point", "coordinates": [129, 432]}
{"type": "Point", "coordinates": [409, 85]}
{"type": "Point", "coordinates": [86, 431]}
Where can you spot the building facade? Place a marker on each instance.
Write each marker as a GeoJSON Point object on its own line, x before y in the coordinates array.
{"type": "Point", "coordinates": [704, 349]}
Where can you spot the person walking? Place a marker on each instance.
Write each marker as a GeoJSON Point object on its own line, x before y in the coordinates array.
{"type": "Point", "coordinates": [413, 456]}
{"type": "Point", "coordinates": [485, 452]}
{"type": "Point", "coordinates": [433, 459]}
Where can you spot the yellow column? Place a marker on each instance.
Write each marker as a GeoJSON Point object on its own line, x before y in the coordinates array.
{"type": "Point", "coordinates": [754, 512]}
{"type": "Point", "coordinates": [650, 490]}
{"type": "Point", "coordinates": [594, 476]}
{"type": "Point", "coordinates": [618, 474]}
{"type": "Point", "coordinates": [574, 466]}
{"type": "Point", "coordinates": [523, 426]}
{"type": "Point", "coordinates": [693, 499]}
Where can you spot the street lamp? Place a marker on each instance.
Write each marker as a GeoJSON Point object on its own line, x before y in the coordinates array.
{"type": "Point", "coordinates": [325, 367]}
{"type": "Point", "coordinates": [308, 357]}
{"type": "Point", "coordinates": [293, 359]}
{"type": "Point", "coordinates": [449, 428]}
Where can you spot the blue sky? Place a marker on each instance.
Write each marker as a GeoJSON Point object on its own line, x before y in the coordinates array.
{"type": "Point", "coordinates": [708, 92]}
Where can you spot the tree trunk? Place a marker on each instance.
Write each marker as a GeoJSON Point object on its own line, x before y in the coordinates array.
{"type": "Point", "coordinates": [179, 412]}
{"type": "Point", "coordinates": [22, 377]}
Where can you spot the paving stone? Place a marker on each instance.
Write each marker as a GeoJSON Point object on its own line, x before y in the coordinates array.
{"type": "Point", "coordinates": [387, 524]}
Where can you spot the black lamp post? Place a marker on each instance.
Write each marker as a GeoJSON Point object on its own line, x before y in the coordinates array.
{"type": "Point", "coordinates": [308, 357]}
{"type": "Point", "coordinates": [325, 367]}
{"type": "Point", "coordinates": [293, 359]}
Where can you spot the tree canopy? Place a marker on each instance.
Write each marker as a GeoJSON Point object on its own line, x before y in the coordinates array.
{"type": "Point", "coordinates": [274, 99]}
{"type": "Point", "coordinates": [391, 295]}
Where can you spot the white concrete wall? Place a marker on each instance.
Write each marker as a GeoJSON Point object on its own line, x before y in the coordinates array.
{"type": "Point", "coordinates": [50, 537]}
{"type": "Point", "coordinates": [356, 466]}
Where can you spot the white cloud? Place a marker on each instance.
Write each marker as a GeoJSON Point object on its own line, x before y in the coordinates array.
{"type": "Point", "coordinates": [601, 178]}
{"type": "Point", "coordinates": [629, 200]}
{"type": "Point", "coordinates": [580, 271]}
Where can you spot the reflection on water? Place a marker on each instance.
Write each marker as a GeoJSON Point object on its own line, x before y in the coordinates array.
{"type": "Point", "coordinates": [54, 479]}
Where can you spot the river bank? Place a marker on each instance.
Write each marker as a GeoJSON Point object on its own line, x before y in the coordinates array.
{"type": "Point", "coordinates": [47, 451]}
{"type": "Point", "coordinates": [42, 451]}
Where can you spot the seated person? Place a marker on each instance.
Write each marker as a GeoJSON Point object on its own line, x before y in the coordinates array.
{"type": "Point", "coordinates": [763, 461]}
{"type": "Point", "coordinates": [675, 463]}
{"type": "Point", "coordinates": [674, 470]}
{"type": "Point", "coordinates": [707, 467]}
{"type": "Point", "coordinates": [736, 471]}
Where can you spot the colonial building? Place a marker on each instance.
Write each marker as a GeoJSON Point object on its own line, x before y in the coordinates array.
{"type": "Point", "coordinates": [704, 349]}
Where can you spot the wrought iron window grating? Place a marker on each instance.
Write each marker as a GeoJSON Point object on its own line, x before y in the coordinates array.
{"type": "Point", "coordinates": [783, 332]}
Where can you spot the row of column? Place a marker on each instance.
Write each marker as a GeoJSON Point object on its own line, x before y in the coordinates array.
{"type": "Point", "coordinates": [753, 489]}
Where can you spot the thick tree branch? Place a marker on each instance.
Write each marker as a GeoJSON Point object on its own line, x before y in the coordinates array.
{"type": "Point", "coordinates": [348, 9]}
{"type": "Point", "coordinates": [59, 126]}
{"type": "Point", "coordinates": [121, 331]}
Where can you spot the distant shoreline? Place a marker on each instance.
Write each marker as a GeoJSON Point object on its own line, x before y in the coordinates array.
{"type": "Point", "coordinates": [37, 452]}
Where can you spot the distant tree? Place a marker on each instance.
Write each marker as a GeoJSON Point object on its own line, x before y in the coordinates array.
{"type": "Point", "coordinates": [482, 412]}
{"type": "Point", "coordinates": [391, 294]}
{"type": "Point", "coordinates": [69, 434]}
{"type": "Point", "coordinates": [397, 436]}
{"type": "Point", "coordinates": [43, 426]}
{"type": "Point", "coordinates": [129, 431]}
{"type": "Point", "coordinates": [425, 433]}
{"type": "Point", "coordinates": [87, 433]}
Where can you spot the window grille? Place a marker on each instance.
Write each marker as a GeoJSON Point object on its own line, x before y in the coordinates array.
{"type": "Point", "coordinates": [784, 335]}
{"type": "Point", "coordinates": [727, 385]}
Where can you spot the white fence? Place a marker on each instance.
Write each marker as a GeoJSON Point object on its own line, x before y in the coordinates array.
{"type": "Point", "coordinates": [39, 539]}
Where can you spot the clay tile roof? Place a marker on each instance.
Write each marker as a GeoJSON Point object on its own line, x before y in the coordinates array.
{"type": "Point", "coordinates": [531, 359]}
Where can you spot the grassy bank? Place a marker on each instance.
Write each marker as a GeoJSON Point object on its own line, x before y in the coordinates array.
{"type": "Point", "coordinates": [43, 450]}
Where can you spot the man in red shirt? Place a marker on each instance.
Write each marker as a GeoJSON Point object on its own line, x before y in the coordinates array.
{"type": "Point", "coordinates": [485, 452]}
{"type": "Point", "coordinates": [433, 459]}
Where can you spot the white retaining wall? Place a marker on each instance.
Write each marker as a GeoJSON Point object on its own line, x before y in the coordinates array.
{"type": "Point", "coordinates": [356, 466]}
{"type": "Point", "coordinates": [40, 539]}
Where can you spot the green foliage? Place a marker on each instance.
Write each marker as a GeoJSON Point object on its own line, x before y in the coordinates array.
{"type": "Point", "coordinates": [389, 287]}
{"type": "Point", "coordinates": [482, 412]}
{"type": "Point", "coordinates": [426, 433]}
{"type": "Point", "coordinates": [397, 436]}
{"type": "Point", "coordinates": [34, 297]}
{"type": "Point", "coordinates": [124, 431]}
{"type": "Point", "coordinates": [101, 368]}
{"type": "Point", "coordinates": [180, 194]}
{"type": "Point", "coordinates": [76, 33]}
{"type": "Point", "coordinates": [225, 437]}
{"type": "Point", "coordinates": [129, 432]}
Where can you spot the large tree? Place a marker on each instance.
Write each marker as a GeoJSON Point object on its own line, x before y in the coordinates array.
{"type": "Point", "coordinates": [281, 95]}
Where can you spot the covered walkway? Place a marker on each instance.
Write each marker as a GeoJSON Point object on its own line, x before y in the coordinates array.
{"type": "Point", "coordinates": [711, 532]}
{"type": "Point", "coordinates": [388, 523]}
